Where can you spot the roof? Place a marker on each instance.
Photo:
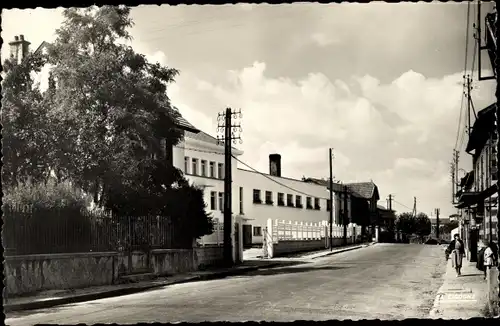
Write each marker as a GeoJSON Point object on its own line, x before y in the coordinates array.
{"type": "Point", "coordinates": [482, 128]}
{"type": "Point", "coordinates": [204, 137]}
{"type": "Point", "coordinates": [182, 123]}
{"type": "Point", "coordinates": [365, 190]}
{"type": "Point", "coordinates": [323, 182]}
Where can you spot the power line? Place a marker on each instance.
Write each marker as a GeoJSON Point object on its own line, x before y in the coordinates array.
{"type": "Point", "coordinates": [463, 88]}
{"type": "Point", "coordinates": [254, 170]}
{"type": "Point", "coordinates": [281, 184]}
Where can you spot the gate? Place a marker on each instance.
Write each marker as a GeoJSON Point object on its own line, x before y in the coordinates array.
{"type": "Point", "coordinates": [138, 234]}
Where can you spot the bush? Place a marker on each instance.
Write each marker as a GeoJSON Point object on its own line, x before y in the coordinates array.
{"type": "Point", "coordinates": [46, 196]}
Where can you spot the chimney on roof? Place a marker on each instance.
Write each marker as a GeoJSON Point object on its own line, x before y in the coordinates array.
{"type": "Point", "coordinates": [19, 48]}
{"type": "Point", "coordinates": [275, 165]}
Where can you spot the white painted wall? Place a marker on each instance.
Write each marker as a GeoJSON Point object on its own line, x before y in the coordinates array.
{"type": "Point", "coordinates": [192, 148]}
{"type": "Point", "coordinates": [258, 214]}
{"type": "Point", "coordinates": [251, 213]}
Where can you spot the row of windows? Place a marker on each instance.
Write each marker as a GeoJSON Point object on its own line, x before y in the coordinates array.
{"type": "Point", "coordinates": [268, 200]}
{"type": "Point", "coordinates": [201, 169]}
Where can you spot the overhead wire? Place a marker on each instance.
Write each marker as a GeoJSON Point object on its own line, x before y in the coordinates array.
{"type": "Point", "coordinates": [460, 136]}
{"type": "Point", "coordinates": [256, 171]}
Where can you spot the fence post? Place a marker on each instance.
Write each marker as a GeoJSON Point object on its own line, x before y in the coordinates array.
{"type": "Point", "coordinates": [270, 238]}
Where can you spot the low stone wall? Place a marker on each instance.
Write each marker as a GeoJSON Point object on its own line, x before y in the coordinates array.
{"type": "Point", "coordinates": [208, 256]}
{"type": "Point", "coordinates": [493, 299]}
{"type": "Point", "coordinates": [32, 273]}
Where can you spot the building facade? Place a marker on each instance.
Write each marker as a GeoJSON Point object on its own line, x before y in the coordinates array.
{"type": "Point", "coordinates": [477, 197]}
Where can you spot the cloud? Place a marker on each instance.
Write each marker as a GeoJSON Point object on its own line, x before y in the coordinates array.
{"type": "Point", "coordinates": [322, 39]}
{"type": "Point", "coordinates": [400, 133]}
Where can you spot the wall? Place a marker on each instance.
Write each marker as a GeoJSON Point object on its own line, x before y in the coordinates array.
{"type": "Point", "coordinates": [258, 214]}
{"type": "Point", "coordinates": [210, 152]}
{"type": "Point", "coordinates": [493, 300]}
{"type": "Point", "coordinates": [26, 274]}
{"type": "Point", "coordinates": [32, 273]}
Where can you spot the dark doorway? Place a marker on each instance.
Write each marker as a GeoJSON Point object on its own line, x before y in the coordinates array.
{"type": "Point", "coordinates": [247, 236]}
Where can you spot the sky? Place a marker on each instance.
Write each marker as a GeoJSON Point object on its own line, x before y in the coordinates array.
{"type": "Point", "coordinates": [379, 83]}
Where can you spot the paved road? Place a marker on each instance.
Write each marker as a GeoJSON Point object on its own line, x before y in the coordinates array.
{"type": "Point", "coordinates": [385, 281]}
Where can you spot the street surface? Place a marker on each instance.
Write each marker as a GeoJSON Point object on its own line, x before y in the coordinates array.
{"type": "Point", "coordinates": [384, 281]}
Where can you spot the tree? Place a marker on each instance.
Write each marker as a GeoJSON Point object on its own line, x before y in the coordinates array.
{"type": "Point", "coordinates": [449, 226]}
{"type": "Point", "coordinates": [109, 113]}
{"type": "Point", "coordinates": [26, 128]}
{"type": "Point", "coordinates": [406, 223]}
{"type": "Point", "coordinates": [422, 225]}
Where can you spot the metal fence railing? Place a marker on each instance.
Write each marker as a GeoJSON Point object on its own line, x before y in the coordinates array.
{"type": "Point", "coordinates": [28, 230]}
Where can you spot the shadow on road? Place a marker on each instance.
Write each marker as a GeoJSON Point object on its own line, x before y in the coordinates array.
{"type": "Point", "coordinates": [293, 270]}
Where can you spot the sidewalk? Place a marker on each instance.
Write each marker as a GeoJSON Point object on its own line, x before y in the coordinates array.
{"type": "Point", "coordinates": [461, 297]}
{"type": "Point", "coordinates": [53, 298]}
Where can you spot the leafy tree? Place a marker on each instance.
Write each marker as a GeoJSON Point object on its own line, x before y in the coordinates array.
{"type": "Point", "coordinates": [26, 134]}
{"type": "Point", "coordinates": [406, 223]}
{"type": "Point", "coordinates": [448, 226]}
{"type": "Point", "coordinates": [422, 225]}
{"type": "Point", "coordinates": [102, 121]}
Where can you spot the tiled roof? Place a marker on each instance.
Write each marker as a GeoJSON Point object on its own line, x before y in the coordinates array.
{"type": "Point", "coordinates": [365, 190]}
{"type": "Point", "coordinates": [182, 122]}
{"type": "Point", "coordinates": [325, 183]}
{"type": "Point", "coordinates": [203, 136]}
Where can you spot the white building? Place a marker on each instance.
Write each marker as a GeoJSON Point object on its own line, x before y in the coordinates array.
{"type": "Point", "coordinates": [257, 196]}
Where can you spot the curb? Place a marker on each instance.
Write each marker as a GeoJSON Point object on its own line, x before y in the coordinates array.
{"type": "Point", "coordinates": [342, 250]}
{"type": "Point", "coordinates": [42, 304]}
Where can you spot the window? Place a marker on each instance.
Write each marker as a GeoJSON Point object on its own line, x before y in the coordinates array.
{"type": "Point", "coordinates": [281, 199]}
{"type": "Point", "coordinates": [309, 203]}
{"type": "Point", "coordinates": [316, 204]}
{"type": "Point", "coordinates": [289, 200]}
{"type": "Point", "coordinates": [221, 201]}
{"type": "Point", "coordinates": [298, 201]}
{"type": "Point", "coordinates": [212, 169]}
{"type": "Point", "coordinates": [269, 198]}
{"type": "Point", "coordinates": [257, 231]}
{"type": "Point", "coordinates": [186, 164]}
{"type": "Point", "coordinates": [213, 200]}
{"type": "Point", "coordinates": [256, 196]}
{"type": "Point", "coordinates": [241, 200]}
{"type": "Point", "coordinates": [194, 168]}
{"type": "Point", "coordinates": [328, 205]}
{"type": "Point", "coordinates": [220, 170]}
{"type": "Point", "coordinates": [203, 168]}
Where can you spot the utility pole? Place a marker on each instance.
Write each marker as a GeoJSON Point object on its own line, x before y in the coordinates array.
{"type": "Point", "coordinates": [345, 216]}
{"type": "Point", "coordinates": [414, 207]}
{"type": "Point", "coordinates": [226, 125]}
{"type": "Point", "coordinates": [331, 198]}
{"type": "Point", "coordinates": [390, 202]}
{"type": "Point", "coordinates": [469, 127]}
{"type": "Point", "coordinates": [437, 223]}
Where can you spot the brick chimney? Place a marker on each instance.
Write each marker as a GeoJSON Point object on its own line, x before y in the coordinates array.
{"type": "Point", "coordinates": [275, 165]}
{"type": "Point", "coordinates": [19, 48]}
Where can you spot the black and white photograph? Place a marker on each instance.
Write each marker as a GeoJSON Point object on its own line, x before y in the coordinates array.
{"type": "Point", "coordinates": [250, 162]}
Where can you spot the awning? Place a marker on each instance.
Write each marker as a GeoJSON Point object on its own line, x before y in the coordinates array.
{"type": "Point", "coordinates": [467, 199]}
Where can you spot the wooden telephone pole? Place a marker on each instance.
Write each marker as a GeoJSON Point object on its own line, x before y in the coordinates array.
{"type": "Point", "coordinates": [226, 125]}
{"type": "Point", "coordinates": [345, 215]}
{"type": "Point", "coordinates": [331, 198]}
{"type": "Point", "coordinates": [437, 223]}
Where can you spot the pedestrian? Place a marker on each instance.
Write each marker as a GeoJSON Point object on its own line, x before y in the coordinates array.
{"type": "Point", "coordinates": [457, 252]}
{"type": "Point", "coordinates": [490, 257]}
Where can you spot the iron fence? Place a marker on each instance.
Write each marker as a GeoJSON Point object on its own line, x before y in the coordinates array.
{"type": "Point", "coordinates": [29, 230]}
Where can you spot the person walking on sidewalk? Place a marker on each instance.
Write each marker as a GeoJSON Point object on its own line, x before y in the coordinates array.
{"type": "Point", "coordinates": [457, 252]}
{"type": "Point", "coordinates": [490, 257]}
